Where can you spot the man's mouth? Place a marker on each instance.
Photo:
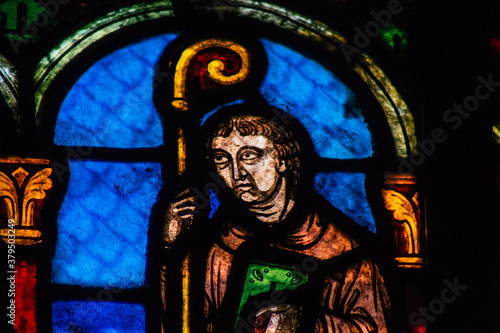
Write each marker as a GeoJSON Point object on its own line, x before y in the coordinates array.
{"type": "Point", "coordinates": [243, 186]}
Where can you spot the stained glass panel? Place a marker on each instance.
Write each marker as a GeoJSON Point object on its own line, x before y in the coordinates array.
{"type": "Point", "coordinates": [98, 317]}
{"type": "Point", "coordinates": [103, 224]}
{"type": "Point", "coordinates": [111, 104]}
{"type": "Point", "coordinates": [319, 100]}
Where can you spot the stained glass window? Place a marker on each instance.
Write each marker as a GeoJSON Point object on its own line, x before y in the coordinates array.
{"type": "Point", "coordinates": [128, 103]}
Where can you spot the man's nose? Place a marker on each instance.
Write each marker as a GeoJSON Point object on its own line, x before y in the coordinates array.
{"type": "Point", "coordinates": [239, 171]}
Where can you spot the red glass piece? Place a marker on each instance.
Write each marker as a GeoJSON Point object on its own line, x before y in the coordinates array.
{"type": "Point", "coordinates": [231, 60]}
{"type": "Point", "coordinates": [25, 296]}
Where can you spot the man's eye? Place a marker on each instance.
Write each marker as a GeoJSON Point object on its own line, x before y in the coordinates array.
{"type": "Point", "coordinates": [220, 159]}
{"type": "Point", "coordinates": [249, 156]}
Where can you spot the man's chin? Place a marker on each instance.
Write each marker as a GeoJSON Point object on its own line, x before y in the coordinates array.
{"type": "Point", "coordinates": [247, 197]}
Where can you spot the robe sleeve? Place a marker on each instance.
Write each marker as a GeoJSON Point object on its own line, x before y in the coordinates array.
{"type": "Point", "coordinates": [355, 301]}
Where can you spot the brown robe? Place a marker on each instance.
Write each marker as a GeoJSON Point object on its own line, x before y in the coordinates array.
{"type": "Point", "coordinates": [353, 300]}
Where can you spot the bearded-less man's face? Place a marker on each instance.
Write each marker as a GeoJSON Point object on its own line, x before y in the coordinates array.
{"type": "Point", "coordinates": [249, 165]}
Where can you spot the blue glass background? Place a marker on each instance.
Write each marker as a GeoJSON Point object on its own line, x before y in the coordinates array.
{"type": "Point", "coordinates": [103, 224]}
{"type": "Point", "coordinates": [319, 100]}
{"type": "Point", "coordinates": [98, 317]}
{"type": "Point", "coordinates": [111, 104]}
{"type": "Point", "coordinates": [346, 191]}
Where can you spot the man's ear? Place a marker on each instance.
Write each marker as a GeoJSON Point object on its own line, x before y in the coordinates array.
{"type": "Point", "coordinates": [282, 166]}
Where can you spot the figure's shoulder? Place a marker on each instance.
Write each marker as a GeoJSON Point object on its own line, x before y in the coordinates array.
{"type": "Point", "coordinates": [341, 233]}
{"type": "Point", "coordinates": [319, 237]}
{"type": "Point", "coordinates": [334, 241]}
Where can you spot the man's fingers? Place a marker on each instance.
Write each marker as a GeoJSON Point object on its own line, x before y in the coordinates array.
{"type": "Point", "coordinates": [182, 210]}
{"type": "Point", "coordinates": [186, 215]}
{"type": "Point", "coordinates": [184, 201]}
{"type": "Point", "coordinates": [182, 193]}
{"type": "Point", "coordinates": [179, 217]}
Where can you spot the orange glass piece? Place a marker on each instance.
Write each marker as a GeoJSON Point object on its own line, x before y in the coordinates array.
{"type": "Point", "coordinates": [186, 281]}
{"type": "Point", "coordinates": [401, 199]}
{"type": "Point", "coordinates": [181, 152]}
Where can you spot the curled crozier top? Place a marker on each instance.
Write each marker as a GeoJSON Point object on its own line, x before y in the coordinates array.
{"type": "Point", "coordinates": [210, 72]}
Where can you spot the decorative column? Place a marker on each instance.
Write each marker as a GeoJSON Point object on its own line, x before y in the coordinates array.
{"type": "Point", "coordinates": [401, 199]}
{"type": "Point", "coordinates": [24, 184]}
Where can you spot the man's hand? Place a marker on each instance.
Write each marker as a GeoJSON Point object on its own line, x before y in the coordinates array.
{"type": "Point", "coordinates": [282, 318]}
{"type": "Point", "coordinates": [179, 216]}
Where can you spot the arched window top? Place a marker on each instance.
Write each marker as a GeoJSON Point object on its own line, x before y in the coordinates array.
{"type": "Point", "coordinates": [111, 103]}
{"type": "Point", "coordinates": [395, 110]}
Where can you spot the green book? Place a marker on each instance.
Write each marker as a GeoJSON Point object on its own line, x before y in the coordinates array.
{"type": "Point", "coordinates": [262, 278]}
